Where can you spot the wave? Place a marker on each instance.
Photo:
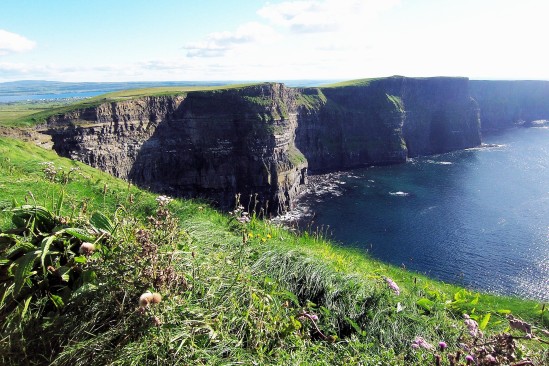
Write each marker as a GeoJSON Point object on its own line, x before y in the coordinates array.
{"type": "Point", "coordinates": [440, 162]}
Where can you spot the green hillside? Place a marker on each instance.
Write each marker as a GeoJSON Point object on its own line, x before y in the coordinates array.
{"type": "Point", "coordinates": [235, 289]}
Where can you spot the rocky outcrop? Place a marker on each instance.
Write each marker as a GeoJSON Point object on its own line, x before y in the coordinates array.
{"type": "Point", "coordinates": [258, 141]}
{"type": "Point", "coordinates": [505, 104]}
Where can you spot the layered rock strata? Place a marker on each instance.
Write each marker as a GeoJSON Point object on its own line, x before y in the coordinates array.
{"type": "Point", "coordinates": [259, 141]}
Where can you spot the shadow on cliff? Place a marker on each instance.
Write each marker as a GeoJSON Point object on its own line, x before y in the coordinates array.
{"type": "Point", "coordinates": [211, 148]}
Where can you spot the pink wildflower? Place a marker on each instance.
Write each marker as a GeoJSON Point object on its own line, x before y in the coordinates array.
{"type": "Point", "coordinates": [491, 359]}
{"type": "Point", "coordinates": [469, 359]}
{"type": "Point", "coordinates": [442, 345]}
{"type": "Point", "coordinates": [472, 326]}
{"type": "Point", "coordinates": [392, 285]}
{"type": "Point", "coordinates": [420, 342]}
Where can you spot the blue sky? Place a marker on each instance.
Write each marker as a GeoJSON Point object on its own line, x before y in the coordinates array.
{"type": "Point", "coordinates": [126, 40]}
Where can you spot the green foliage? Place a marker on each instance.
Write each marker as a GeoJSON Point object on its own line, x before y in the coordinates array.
{"type": "Point", "coordinates": [396, 101]}
{"type": "Point", "coordinates": [42, 258]}
{"type": "Point", "coordinates": [311, 98]}
{"type": "Point", "coordinates": [296, 157]}
{"type": "Point", "coordinates": [235, 289]}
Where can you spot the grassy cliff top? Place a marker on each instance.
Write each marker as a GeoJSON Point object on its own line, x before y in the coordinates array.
{"type": "Point", "coordinates": [27, 114]}
{"type": "Point", "coordinates": [356, 82]}
{"type": "Point", "coordinates": [232, 290]}
{"type": "Point", "coordinates": [369, 81]}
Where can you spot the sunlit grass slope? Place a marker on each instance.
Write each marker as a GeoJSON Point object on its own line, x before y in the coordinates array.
{"type": "Point", "coordinates": [234, 289]}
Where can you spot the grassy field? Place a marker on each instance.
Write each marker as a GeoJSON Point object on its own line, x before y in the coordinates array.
{"type": "Point", "coordinates": [235, 289]}
{"type": "Point", "coordinates": [357, 82]}
{"type": "Point", "coordinates": [12, 112]}
{"type": "Point", "coordinates": [28, 114]}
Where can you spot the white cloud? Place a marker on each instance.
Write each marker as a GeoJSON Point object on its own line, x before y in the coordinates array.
{"type": "Point", "coordinates": [308, 16]}
{"type": "Point", "coordinates": [219, 43]}
{"type": "Point", "coordinates": [12, 42]}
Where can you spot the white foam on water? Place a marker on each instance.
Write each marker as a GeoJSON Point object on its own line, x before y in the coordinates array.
{"type": "Point", "coordinates": [440, 162]}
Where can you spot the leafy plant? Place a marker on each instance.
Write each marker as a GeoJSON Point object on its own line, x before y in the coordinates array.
{"type": "Point", "coordinates": [45, 257]}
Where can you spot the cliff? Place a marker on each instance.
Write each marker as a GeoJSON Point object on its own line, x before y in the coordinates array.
{"type": "Point", "coordinates": [261, 139]}
{"type": "Point", "coordinates": [211, 144]}
{"type": "Point", "coordinates": [384, 121]}
{"type": "Point", "coordinates": [505, 104]}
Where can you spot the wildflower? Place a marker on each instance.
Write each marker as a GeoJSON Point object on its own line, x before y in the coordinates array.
{"type": "Point", "coordinates": [491, 359]}
{"type": "Point", "coordinates": [472, 326]}
{"type": "Point", "coordinates": [392, 285]}
{"type": "Point", "coordinates": [469, 359]}
{"type": "Point", "coordinates": [314, 317]}
{"type": "Point", "coordinates": [243, 219]}
{"type": "Point", "coordinates": [86, 248]}
{"type": "Point", "coordinates": [442, 345]}
{"type": "Point", "coordinates": [163, 200]}
{"type": "Point", "coordinates": [263, 240]}
{"type": "Point", "coordinates": [269, 236]}
{"type": "Point", "coordinates": [251, 235]}
{"type": "Point", "coordinates": [420, 342]}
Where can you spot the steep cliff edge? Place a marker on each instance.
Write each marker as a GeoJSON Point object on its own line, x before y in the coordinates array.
{"type": "Point", "coordinates": [211, 144]}
{"type": "Point", "coordinates": [504, 104]}
{"type": "Point", "coordinates": [384, 121]}
{"type": "Point", "coordinates": [261, 139]}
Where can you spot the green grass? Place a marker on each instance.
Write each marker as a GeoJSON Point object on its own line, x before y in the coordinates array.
{"type": "Point", "coordinates": [232, 292]}
{"type": "Point", "coordinates": [31, 114]}
{"type": "Point", "coordinates": [356, 82]}
{"type": "Point", "coordinates": [12, 112]}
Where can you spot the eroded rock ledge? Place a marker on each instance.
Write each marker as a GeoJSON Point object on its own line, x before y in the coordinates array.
{"type": "Point", "coordinates": [262, 139]}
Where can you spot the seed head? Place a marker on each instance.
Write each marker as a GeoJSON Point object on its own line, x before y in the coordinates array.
{"type": "Point", "coordinates": [86, 248]}
{"type": "Point", "coordinates": [156, 298]}
{"type": "Point", "coordinates": [156, 321]}
{"type": "Point", "coordinates": [145, 299]}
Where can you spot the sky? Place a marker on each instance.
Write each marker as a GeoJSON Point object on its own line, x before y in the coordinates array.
{"type": "Point", "coordinates": [184, 40]}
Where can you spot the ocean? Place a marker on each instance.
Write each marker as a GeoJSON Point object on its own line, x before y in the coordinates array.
{"type": "Point", "coordinates": [477, 217]}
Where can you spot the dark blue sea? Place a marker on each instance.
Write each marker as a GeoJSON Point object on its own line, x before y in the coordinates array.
{"type": "Point", "coordinates": [478, 217]}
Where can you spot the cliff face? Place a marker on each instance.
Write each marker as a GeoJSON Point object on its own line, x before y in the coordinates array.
{"type": "Point", "coordinates": [386, 121]}
{"type": "Point", "coordinates": [505, 104]}
{"type": "Point", "coordinates": [205, 144]}
{"type": "Point", "coordinates": [261, 139]}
